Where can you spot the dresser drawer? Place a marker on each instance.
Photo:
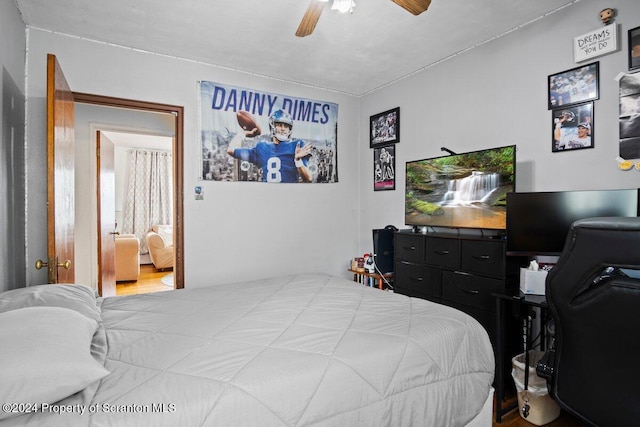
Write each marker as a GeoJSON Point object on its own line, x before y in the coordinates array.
{"type": "Point", "coordinates": [482, 257]}
{"type": "Point", "coordinates": [486, 318]}
{"type": "Point", "coordinates": [409, 247]}
{"type": "Point", "coordinates": [420, 280]}
{"type": "Point", "coordinates": [443, 252]}
{"type": "Point", "coordinates": [469, 290]}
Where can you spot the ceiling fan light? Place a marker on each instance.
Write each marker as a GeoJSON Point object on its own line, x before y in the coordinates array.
{"type": "Point", "coordinates": [343, 5]}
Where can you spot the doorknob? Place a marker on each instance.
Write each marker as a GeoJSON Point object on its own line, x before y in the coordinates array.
{"type": "Point", "coordinates": [51, 267]}
{"type": "Point", "coordinates": [117, 233]}
{"type": "Point", "coordinates": [66, 265]}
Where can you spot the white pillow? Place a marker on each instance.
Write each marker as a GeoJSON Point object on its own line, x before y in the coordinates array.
{"type": "Point", "coordinates": [79, 298]}
{"type": "Point", "coordinates": [45, 355]}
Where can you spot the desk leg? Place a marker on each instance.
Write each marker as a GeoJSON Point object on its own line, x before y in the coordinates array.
{"type": "Point", "coordinates": [380, 283]}
{"type": "Point", "coordinates": [543, 329]}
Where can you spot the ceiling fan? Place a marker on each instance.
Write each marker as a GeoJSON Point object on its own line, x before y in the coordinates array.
{"type": "Point", "coordinates": [315, 8]}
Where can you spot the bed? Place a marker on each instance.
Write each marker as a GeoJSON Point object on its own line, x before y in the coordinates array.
{"type": "Point", "coordinates": [301, 350]}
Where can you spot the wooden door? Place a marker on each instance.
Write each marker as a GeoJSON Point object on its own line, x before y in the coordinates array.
{"type": "Point", "coordinates": [60, 175]}
{"type": "Point", "coordinates": [106, 216]}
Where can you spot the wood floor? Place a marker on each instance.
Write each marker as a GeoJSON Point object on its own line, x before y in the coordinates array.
{"type": "Point", "coordinates": [148, 281]}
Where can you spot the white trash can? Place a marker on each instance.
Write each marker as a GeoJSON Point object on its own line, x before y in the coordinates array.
{"type": "Point", "coordinates": [542, 409]}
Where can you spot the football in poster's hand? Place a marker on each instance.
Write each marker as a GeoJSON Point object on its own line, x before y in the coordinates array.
{"type": "Point", "coordinates": [248, 123]}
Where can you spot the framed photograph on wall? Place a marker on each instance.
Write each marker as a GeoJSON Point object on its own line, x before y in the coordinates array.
{"type": "Point", "coordinates": [574, 86]}
{"type": "Point", "coordinates": [629, 121]}
{"type": "Point", "coordinates": [384, 168]}
{"type": "Point", "coordinates": [384, 128]}
{"type": "Point", "coordinates": [634, 49]}
{"type": "Point", "coordinates": [572, 128]}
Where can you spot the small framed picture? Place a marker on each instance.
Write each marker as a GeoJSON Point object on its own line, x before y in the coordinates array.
{"type": "Point", "coordinates": [574, 86]}
{"type": "Point", "coordinates": [384, 168]}
{"type": "Point", "coordinates": [384, 128]}
{"type": "Point", "coordinates": [634, 49]}
{"type": "Point", "coordinates": [572, 128]}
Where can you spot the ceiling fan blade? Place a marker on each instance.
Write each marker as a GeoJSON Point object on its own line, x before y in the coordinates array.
{"type": "Point", "coordinates": [414, 6]}
{"type": "Point", "coordinates": [310, 18]}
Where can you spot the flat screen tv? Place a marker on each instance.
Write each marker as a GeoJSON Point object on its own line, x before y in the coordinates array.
{"type": "Point", "coordinates": [465, 190]}
{"type": "Point", "coordinates": [538, 223]}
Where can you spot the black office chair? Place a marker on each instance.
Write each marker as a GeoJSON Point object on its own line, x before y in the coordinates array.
{"type": "Point", "coordinates": [593, 293]}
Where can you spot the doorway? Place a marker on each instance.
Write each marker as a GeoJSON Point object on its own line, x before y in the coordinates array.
{"type": "Point", "coordinates": [133, 193]}
{"type": "Point", "coordinates": [130, 108]}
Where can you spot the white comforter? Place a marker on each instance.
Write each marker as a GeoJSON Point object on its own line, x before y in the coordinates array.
{"type": "Point", "coordinates": [305, 350]}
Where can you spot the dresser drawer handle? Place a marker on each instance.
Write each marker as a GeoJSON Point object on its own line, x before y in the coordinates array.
{"type": "Point", "coordinates": [441, 252]}
{"type": "Point", "coordinates": [471, 291]}
{"type": "Point", "coordinates": [482, 257]}
{"type": "Point", "coordinates": [409, 248]}
{"type": "Point", "coordinates": [416, 279]}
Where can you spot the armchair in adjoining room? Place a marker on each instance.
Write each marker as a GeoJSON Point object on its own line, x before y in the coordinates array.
{"type": "Point", "coordinates": [160, 244]}
{"type": "Point", "coordinates": [593, 294]}
{"type": "Point", "coordinates": [127, 249]}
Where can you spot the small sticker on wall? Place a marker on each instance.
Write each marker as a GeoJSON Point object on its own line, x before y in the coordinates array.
{"type": "Point", "coordinates": [199, 191]}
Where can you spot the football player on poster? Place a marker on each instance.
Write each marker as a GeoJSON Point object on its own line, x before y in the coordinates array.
{"type": "Point", "coordinates": [282, 159]}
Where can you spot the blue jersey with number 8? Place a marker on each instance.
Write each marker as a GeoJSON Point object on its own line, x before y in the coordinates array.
{"type": "Point", "coordinates": [276, 160]}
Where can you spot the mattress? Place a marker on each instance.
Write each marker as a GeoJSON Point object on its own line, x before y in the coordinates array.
{"type": "Point", "coordinates": [301, 350]}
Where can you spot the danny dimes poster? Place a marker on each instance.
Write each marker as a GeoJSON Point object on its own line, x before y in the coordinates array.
{"type": "Point", "coordinates": [230, 153]}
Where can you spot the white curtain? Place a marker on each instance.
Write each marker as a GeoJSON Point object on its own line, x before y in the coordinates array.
{"type": "Point", "coordinates": [148, 199]}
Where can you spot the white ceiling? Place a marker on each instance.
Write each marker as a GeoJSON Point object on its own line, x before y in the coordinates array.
{"type": "Point", "coordinates": [139, 140]}
{"type": "Point", "coordinates": [348, 53]}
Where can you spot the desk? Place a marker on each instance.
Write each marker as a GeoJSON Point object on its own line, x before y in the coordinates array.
{"type": "Point", "coordinates": [521, 306]}
{"type": "Point", "coordinates": [363, 277]}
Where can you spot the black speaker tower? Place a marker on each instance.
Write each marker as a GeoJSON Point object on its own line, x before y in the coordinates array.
{"type": "Point", "coordinates": [383, 248]}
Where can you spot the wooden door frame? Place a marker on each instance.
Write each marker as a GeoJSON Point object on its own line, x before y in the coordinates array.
{"type": "Point", "coordinates": [178, 161]}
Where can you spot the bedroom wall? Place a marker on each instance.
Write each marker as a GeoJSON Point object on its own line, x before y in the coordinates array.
{"type": "Point", "coordinates": [12, 182]}
{"type": "Point", "coordinates": [241, 231]}
{"type": "Point", "coordinates": [496, 95]}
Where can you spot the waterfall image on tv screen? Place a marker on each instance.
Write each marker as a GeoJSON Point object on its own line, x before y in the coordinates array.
{"type": "Point", "coordinates": [461, 190]}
